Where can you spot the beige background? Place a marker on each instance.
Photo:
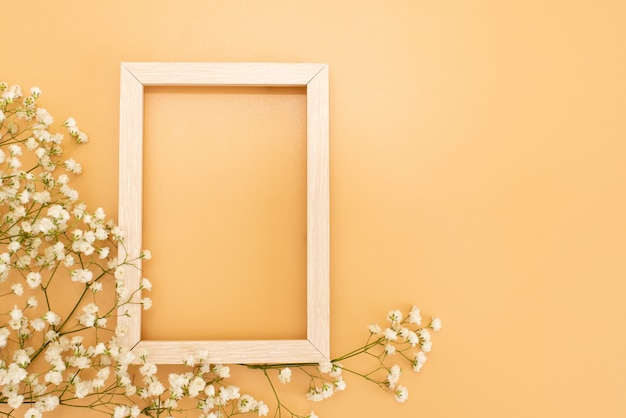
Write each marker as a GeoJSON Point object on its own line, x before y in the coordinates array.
{"type": "Point", "coordinates": [478, 169]}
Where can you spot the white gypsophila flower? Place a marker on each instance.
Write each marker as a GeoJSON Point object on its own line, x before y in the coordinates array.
{"type": "Point", "coordinates": [312, 415]}
{"type": "Point", "coordinates": [48, 403]}
{"type": "Point", "coordinates": [246, 404]}
{"type": "Point", "coordinates": [21, 358]}
{"type": "Point", "coordinates": [196, 385]}
{"type": "Point", "coordinates": [336, 370]}
{"type": "Point", "coordinates": [52, 318]}
{"type": "Point", "coordinates": [222, 371]}
{"type": "Point", "coordinates": [33, 279]}
{"type": "Point", "coordinates": [435, 324]}
{"type": "Point", "coordinates": [263, 409]}
{"type": "Point", "coordinates": [69, 122]}
{"type": "Point", "coordinates": [374, 329]}
{"type": "Point", "coordinates": [227, 394]}
{"type": "Point", "coordinates": [401, 393]}
{"type": "Point", "coordinates": [393, 376]}
{"type": "Point", "coordinates": [314, 395]}
{"type": "Point", "coordinates": [15, 401]}
{"type": "Point", "coordinates": [340, 384]}
{"type": "Point", "coordinates": [82, 138]}
{"type": "Point", "coordinates": [32, 413]}
{"type": "Point", "coordinates": [4, 336]}
{"type": "Point", "coordinates": [15, 150]}
{"type": "Point", "coordinates": [420, 359]}
{"type": "Point", "coordinates": [148, 369]}
{"type": "Point", "coordinates": [415, 316]}
{"type": "Point", "coordinates": [44, 117]}
{"type": "Point", "coordinates": [13, 246]}
{"type": "Point", "coordinates": [403, 332]}
{"type": "Point", "coordinates": [69, 261]}
{"type": "Point", "coordinates": [390, 349]}
{"type": "Point", "coordinates": [72, 166]}
{"type": "Point", "coordinates": [81, 275]}
{"type": "Point", "coordinates": [121, 411]}
{"type": "Point", "coordinates": [82, 389]}
{"type": "Point", "coordinates": [14, 375]}
{"type": "Point", "coordinates": [325, 367]}
{"type": "Point", "coordinates": [146, 255]}
{"type": "Point", "coordinates": [38, 324]}
{"type": "Point", "coordinates": [103, 252]}
{"type": "Point", "coordinates": [327, 390]}
{"type": "Point", "coordinates": [146, 302]}
{"type": "Point", "coordinates": [146, 284]}
{"type": "Point", "coordinates": [155, 388]}
{"type": "Point", "coordinates": [17, 289]}
{"type": "Point", "coordinates": [284, 376]}
{"type": "Point", "coordinates": [32, 302]}
{"type": "Point", "coordinates": [390, 335]}
{"type": "Point", "coordinates": [394, 316]}
{"type": "Point", "coordinates": [41, 197]}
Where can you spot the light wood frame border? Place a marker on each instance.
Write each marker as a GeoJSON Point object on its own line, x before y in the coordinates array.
{"type": "Point", "coordinates": [134, 76]}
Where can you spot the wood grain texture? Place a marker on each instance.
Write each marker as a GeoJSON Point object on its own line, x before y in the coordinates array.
{"type": "Point", "coordinates": [318, 209]}
{"type": "Point", "coordinates": [130, 197]}
{"type": "Point", "coordinates": [234, 352]}
{"type": "Point", "coordinates": [134, 76]}
{"type": "Point", "coordinates": [223, 74]}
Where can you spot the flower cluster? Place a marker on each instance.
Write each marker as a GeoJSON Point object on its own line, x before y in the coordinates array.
{"type": "Point", "coordinates": [404, 340]}
{"type": "Point", "coordinates": [67, 351]}
{"type": "Point", "coordinates": [52, 352]}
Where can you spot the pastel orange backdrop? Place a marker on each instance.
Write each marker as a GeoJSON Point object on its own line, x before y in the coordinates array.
{"type": "Point", "coordinates": [478, 169]}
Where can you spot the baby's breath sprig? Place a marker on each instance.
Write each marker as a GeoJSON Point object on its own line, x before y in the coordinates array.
{"type": "Point", "coordinates": [404, 341]}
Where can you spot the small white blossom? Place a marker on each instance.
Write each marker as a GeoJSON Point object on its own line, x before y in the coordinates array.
{"type": "Point", "coordinates": [390, 334]}
{"type": "Point", "coordinates": [4, 336]}
{"type": "Point", "coordinates": [374, 329]}
{"type": "Point", "coordinates": [52, 318]}
{"type": "Point", "coordinates": [72, 166]}
{"type": "Point", "coordinates": [263, 409]}
{"type": "Point", "coordinates": [17, 289]}
{"type": "Point", "coordinates": [435, 324]}
{"type": "Point", "coordinates": [146, 302]}
{"type": "Point", "coordinates": [284, 376]}
{"type": "Point", "coordinates": [420, 359]}
{"type": "Point", "coordinates": [393, 376]}
{"type": "Point", "coordinates": [340, 384]}
{"type": "Point", "coordinates": [325, 367]}
{"type": "Point", "coordinates": [146, 284]}
{"type": "Point", "coordinates": [81, 275]}
{"type": "Point", "coordinates": [415, 316]}
{"type": "Point", "coordinates": [401, 393]}
{"type": "Point", "coordinates": [32, 413]}
{"type": "Point", "coordinates": [394, 316]}
{"type": "Point", "coordinates": [246, 404]}
{"type": "Point", "coordinates": [222, 371]}
{"type": "Point", "coordinates": [33, 279]}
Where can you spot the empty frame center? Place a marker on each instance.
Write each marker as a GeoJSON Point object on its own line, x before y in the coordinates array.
{"type": "Point", "coordinates": [225, 196]}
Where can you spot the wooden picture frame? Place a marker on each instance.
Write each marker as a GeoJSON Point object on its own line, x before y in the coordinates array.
{"type": "Point", "coordinates": [134, 76]}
